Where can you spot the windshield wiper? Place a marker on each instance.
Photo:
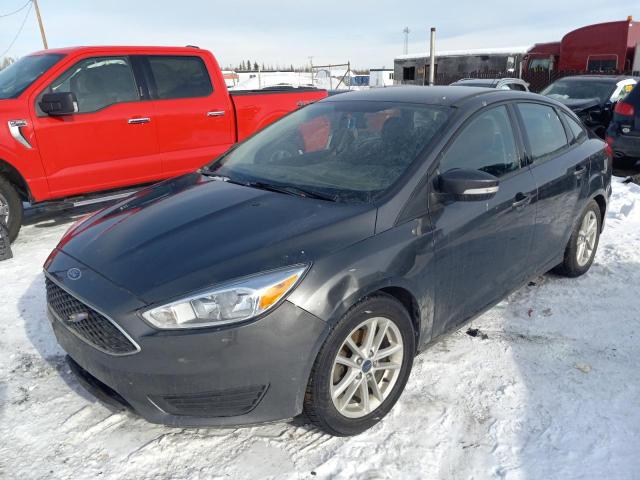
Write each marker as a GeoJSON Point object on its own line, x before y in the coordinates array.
{"type": "Point", "coordinates": [290, 190]}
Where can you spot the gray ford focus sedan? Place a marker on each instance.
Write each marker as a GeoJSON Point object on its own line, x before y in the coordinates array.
{"type": "Point", "coordinates": [302, 271]}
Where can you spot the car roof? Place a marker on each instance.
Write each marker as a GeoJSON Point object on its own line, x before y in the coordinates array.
{"type": "Point", "coordinates": [439, 95]}
{"type": "Point", "coordinates": [97, 49]}
{"type": "Point", "coordinates": [612, 78]}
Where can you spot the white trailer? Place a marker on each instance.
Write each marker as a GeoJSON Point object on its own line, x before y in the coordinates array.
{"type": "Point", "coordinates": [380, 77]}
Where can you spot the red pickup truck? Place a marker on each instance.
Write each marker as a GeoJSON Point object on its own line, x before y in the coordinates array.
{"type": "Point", "coordinates": [77, 122]}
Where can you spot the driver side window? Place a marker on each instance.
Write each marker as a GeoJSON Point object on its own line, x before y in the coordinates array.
{"type": "Point", "coordinates": [97, 83]}
{"type": "Point", "coordinates": [487, 143]}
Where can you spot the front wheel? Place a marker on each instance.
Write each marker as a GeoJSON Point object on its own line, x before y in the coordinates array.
{"type": "Point", "coordinates": [362, 368]}
{"type": "Point", "coordinates": [10, 208]}
{"type": "Point", "coordinates": [582, 246]}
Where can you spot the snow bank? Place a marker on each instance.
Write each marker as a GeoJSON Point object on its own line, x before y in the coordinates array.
{"type": "Point", "coordinates": [551, 392]}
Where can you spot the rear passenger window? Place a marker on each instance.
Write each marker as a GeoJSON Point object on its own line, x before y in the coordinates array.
{"type": "Point", "coordinates": [486, 143]}
{"type": "Point", "coordinates": [180, 77]}
{"type": "Point", "coordinates": [578, 132]}
{"type": "Point", "coordinates": [544, 129]}
{"type": "Point", "coordinates": [98, 83]}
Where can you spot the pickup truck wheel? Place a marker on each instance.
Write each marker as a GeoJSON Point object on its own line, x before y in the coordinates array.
{"type": "Point", "coordinates": [582, 246]}
{"type": "Point", "coordinates": [362, 368]}
{"type": "Point", "coordinates": [10, 208]}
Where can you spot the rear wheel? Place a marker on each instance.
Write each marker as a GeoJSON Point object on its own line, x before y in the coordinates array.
{"type": "Point", "coordinates": [10, 208]}
{"type": "Point", "coordinates": [362, 367]}
{"type": "Point", "coordinates": [582, 246]}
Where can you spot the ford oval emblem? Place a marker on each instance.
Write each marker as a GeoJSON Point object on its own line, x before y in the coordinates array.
{"type": "Point", "coordinates": [74, 274]}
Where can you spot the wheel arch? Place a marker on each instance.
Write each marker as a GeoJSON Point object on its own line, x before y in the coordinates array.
{"type": "Point", "coordinates": [15, 178]}
{"type": "Point", "coordinates": [602, 204]}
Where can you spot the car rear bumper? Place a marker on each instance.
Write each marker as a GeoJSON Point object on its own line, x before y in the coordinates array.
{"type": "Point", "coordinates": [253, 373]}
{"type": "Point", "coordinates": [626, 147]}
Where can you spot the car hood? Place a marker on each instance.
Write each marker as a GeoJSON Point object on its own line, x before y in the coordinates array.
{"type": "Point", "coordinates": [579, 104]}
{"type": "Point", "coordinates": [192, 232]}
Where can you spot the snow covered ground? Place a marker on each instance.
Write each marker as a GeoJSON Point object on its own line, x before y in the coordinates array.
{"type": "Point", "coordinates": [551, 392]}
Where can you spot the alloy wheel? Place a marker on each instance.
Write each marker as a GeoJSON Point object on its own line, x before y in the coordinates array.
{"type": "Point", "coordinates": [587, 236]}
{"type": "Point", "coordinates": [366, 367]}
{"type": "Point", "coordinates": [4, 209]}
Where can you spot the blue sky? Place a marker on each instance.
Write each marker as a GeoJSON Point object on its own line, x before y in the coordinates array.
{"type": "Point", "coordinates": [368, 33]}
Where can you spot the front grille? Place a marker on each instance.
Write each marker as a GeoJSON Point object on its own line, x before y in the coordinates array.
{"type": "Point", "coordinates": [91, 326]}
{"type": "Point", "coordinates": [221, 403]}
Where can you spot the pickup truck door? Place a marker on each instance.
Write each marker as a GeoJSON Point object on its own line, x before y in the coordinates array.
{"type": "Point", "coordinates": [193, 115]}
{"type": "Point", "coordinates": [109, 142]}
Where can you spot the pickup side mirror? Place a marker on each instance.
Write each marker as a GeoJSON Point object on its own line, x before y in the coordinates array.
{"type": "Point", "coordinates": [61, 103]}
{"type": "Point", "coordinates": [468, 185]}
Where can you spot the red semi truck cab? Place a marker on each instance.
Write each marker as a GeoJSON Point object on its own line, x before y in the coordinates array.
{"type": "Point", "coordinates": [603, 47]}
{"type": "Point", "coordinates": [79, 121]}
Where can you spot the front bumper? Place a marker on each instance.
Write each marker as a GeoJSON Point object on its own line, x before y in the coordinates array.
{"type": "Point", "coordinates": [252, 373]}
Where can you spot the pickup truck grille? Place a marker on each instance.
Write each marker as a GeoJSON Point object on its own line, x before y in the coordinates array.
{"type": "Point", "coordinates": [91, 326]}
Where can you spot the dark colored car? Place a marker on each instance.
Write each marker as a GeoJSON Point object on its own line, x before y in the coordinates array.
{"type": "Point", "coordinates": [591, 97]}
{"type": "Point", "coordinates": [500, 83]}
{"type": "Point", "coordinates": [303, 270]}
{"type": "Point", "coordinates": [623, 134]}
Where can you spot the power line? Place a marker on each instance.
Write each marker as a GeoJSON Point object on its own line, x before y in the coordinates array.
{"type": "Point", "coordinates": [19, 31]}
{"type": "Point", "coordinates": [15, 11]}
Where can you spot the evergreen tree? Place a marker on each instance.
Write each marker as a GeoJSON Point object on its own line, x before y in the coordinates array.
{"type": "Point", "coordinates": [248, 64]}
{"type": "Point", "coordinates": [255, 66]}
{"type": "Point", "coordinates": [242, 65]}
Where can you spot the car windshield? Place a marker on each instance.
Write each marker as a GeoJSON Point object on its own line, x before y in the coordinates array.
{"type": "Point", "coordinates": [17, 77]}
{"type": "Point", "coordinates": [580, 90]}
{"type": "Point", "coordinates": [346, 151]}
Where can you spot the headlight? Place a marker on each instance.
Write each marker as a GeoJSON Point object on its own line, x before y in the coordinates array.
{"type": "Point", "coordinates": [228, 303]}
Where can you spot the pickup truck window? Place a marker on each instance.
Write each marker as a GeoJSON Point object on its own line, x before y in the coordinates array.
{"type": "Point", "coordinates": [179, 77]}
{"type": "Point", "coordinates": [17, 77]}
{"type": "Point", "coordinates": [97, 83]}
{"type": "Point", "coordinates": [349, 151]}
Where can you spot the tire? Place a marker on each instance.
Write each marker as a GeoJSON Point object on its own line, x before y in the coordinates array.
{"type": "Point", "coordinates": [328, 375]}
{"type": "Point", "coordinates": [10, 203]}
{"type": "Point", "coordinates": [625, 163]}
{"type": "Point", "coordinates": [577, 260]}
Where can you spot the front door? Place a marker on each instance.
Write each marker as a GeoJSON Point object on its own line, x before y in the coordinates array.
{"type": "Point", "coordinates": [109, 142]}
{"type": "Point", "coordinates": [482, 247]}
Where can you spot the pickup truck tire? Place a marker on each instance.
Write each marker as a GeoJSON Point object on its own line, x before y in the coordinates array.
{"type": "Point", "coordinates": [11, 210]}
{"type": "Point", "coordinates": [583, 244]}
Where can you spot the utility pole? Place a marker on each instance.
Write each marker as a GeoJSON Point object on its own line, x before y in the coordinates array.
{"type": "Point", "coordinates": [44, 37]}
{"type": "Point", "coordinates": [432, 57]}
{"type": "Point", "coordinates": [406, 40]}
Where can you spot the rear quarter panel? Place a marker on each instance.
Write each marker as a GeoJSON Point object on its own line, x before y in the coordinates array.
{"type": "Point", "coordinates": [256, 110]}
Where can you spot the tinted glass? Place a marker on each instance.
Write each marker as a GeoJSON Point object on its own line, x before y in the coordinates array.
{"type": "Point", "coordinates": [517, 86]}
{"type": "Point", "coordinates": [544, 129]}
{"type": "Point", "coordinates": [580, 89]}
{"type": "Point", "coordinates": [180, 77]}
{"type": "Point", "coordinates": [351, 151]}
{"type": "Point", "coordinates": [486, 143]}
{"type": "Point", "coordinates": [98, 82]}
{"type": "Point", "coordinates": [17, 77]}
{"type": "Point", "coordinates": [578, 132]}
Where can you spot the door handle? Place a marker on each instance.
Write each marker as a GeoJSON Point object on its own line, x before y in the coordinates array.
{"type": "Point", "coordinates": [521, 200]}
{"type": "Point", "coordinates": [135, 121]}
{"type": "Point", "coordinates": [216, 113]}
{"type": "Point", "coordinates": [580, 171]}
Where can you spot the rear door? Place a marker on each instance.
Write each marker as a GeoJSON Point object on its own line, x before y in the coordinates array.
{"type": "Point", "coordinates": [561, 171]}
{"type": "Point", "coordinates": [109, 142]}
{"type": "Point", "coordinates": [194, 118]}
{"type": "Point", "coordinates": [482, 247]}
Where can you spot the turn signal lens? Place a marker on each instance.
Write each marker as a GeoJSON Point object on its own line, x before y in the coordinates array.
{"type": "Point", "coordinates": [271, 295]}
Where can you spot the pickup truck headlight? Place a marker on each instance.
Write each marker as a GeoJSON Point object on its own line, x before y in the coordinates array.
{"type": "Point", "coordinates": [232, 302]}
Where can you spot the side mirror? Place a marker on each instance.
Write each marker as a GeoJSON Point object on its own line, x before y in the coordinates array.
{"type": "Point", "coordinates": [468, 185]}
{"type": "Point", "coordinates": [56, 104]}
